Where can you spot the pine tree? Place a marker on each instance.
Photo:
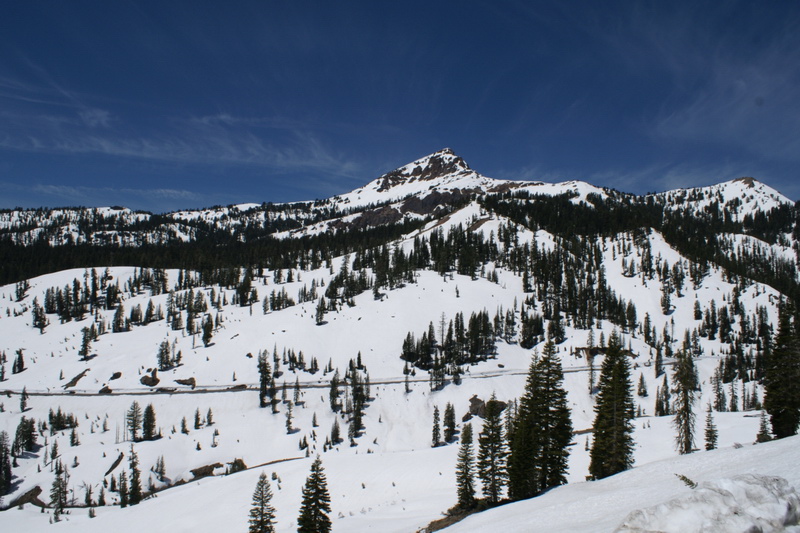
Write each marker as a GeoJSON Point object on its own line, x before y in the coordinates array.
{"type": "Point", "coordinates": [436, 438]}
{"type": "Point", "coordinates": [86, 343]}
{"type": "Point", "coordinates": [543, 430]}
{"type": "Point", "coordinates": [133, 419]}
{"type": "Point", "coordinates": [58, 491]}
{"type": "Point", "coordinates": [492, 453]}
{"type": "Point", "coordinates": [612, 445]}
{"type": "Point", "coordinates": [449, 423]}
{"type": "Point", "coordinates": [641, 389]}
{"type": "Point", "coordinates": [149, 423]}
{"type": "Point", "coordinates": [264, 375]}
{"type": "Point", "coordinates": [782, 378]}
{"type": "Point", "coordinates": [465, 476]}
{"type": "Point", "coordinates": [135, 491]}
{"type": "Point", "coordinates": [684, 386]}
{"type": "Point", "coordinates": [316, 502]}
{"type": "Point", "coordinates": [262, 514]}
{"type": "Point", "coordinates": [5, 464]}
{"type": "Point", "coordinates": [711, 430]}
{"type": "Point", "coordinates": [123, 489]}
{"type": "Point", "coordinates": [208, 330]}
{"type": "Point", "coordinates": [763, 429]}
{"type": "Point", "coordinates": [23, 400]}
{"type": "Point", "coordinates": [289, 428]}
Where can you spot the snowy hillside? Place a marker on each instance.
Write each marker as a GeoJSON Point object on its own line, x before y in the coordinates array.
{"type": "Point", "coordinates": [428, 289]}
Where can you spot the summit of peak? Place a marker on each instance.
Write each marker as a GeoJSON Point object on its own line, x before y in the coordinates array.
{"type": "Point", "coordinates": [436, 165]}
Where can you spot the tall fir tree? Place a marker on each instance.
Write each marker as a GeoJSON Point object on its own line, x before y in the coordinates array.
{"type": "Point", "coordinates": [58, 491]}
{"type": "Point", "coordinates": [316, 502]}
{"type": "Point", "coordinates": [262, 514]}
{"type": "Point", "coordinates": [123, 489]}
{"type": "Point", "coordinates": [135, 491]}
{"type": "Point", "coordinates": [264, 377]}
{"type": "Point", "coordinates": [492, 453]}
{"type": "Point", "coordinates": [763, 434]}
{"type": "Point", "coordinates": [465, 471]}
{"type": "Point", "coordinates": [711, 433]}
{"type": "Point", "coordinates": [684, 386]}
{"type": "Point", "coordinates": [612, 445]}
{"type": "Point", "coordinates": [149, 423]}
{"type": "Point", "coordinates": [543, 430]}
{"type": "Point", "coordinates": [449, 423]}
{"type": "Point", "coordinates": [5, 464]}
{"type": "Point", "coordinates": [436, 433]}
{"type": "Point", "coordinates": [133, 419]}
{"type": "Point", "coordinates": [782, 377]}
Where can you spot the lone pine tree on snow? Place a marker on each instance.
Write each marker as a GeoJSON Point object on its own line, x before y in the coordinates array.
{"type": "Point", "coordinates": [262, 514]}
{"type": "Point", "coordinates": [316, 502]}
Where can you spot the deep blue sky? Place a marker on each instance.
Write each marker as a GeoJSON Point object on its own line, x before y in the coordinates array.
{"type": "Point", "coordinates": [165, 105]}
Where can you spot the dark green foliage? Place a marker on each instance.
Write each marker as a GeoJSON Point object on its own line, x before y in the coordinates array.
{"type": "Point", "coordinates": [208, 330]}
{"type": "Point", "coordinates": [135, 491]}
{"type": "Point", "coordinates": [38, 317]}
{"type": "Point", "coordinates": [133, 420]}
{"type": "Point", "coordinates": [59, 490]}
{"type": "Point", "coordinates": [685, 385]}
{"type": "Point", "coordinates": [782, 377]}
{"type": "Point", "coordinates": [59, 421]}
{"type": "Point", "coordinates": [436, 435]}
{"type": "Point", "coordinates": [123, 489]}
{"type": "Point", "coordinates": [465, 470]}
{"type": "Point", "coordinates": [449, 423]}
{"type": "Point", "coordinates": [763, 429]}
{"type": "Point", "coordinates": [5, 464]}
{"type": "Point", "coordinates": [612, 445]}
{"type": "Point", "coordinates": [543, 430]}
{"type": "Point", "coordinates": [25, 439]}
{"type": "Point", "coordinates": [262, 514]}
{"type": "Point", "coordinates": [316, 502]}
{"type": "Point", "coordinates": [711, 434]}
{"type": "Point", "coordinates": [149, 423]}
{"type": "Point", "coordinates": [492, 452]}
{"type": "Point", "coordinates": [264, 378]}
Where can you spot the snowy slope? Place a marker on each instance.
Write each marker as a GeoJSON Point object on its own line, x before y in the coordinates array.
{"type": "Point", "coordinates": [390, 479]}
{"type": "Point", "coordinates": [604, 505]}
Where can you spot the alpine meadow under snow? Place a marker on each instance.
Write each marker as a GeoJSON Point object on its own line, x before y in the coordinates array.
{"type": "Point", "coordinates": [197, 350]}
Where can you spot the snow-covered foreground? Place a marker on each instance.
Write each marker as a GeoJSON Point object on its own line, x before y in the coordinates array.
{"type": "Point", "coordinates": [604, 505]}
{"type": "Point", "coordinates": [401, 492]}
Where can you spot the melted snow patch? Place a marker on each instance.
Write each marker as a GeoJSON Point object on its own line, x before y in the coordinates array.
{"type": "Point", "coordinates": [748, 503]}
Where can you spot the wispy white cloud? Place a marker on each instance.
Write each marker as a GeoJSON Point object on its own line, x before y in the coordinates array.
{"type": "Point", "coordinates": [82, 192]}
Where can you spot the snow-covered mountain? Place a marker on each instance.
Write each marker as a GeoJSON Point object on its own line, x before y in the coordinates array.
{"type": "Point", "coordinates": [338, 286]}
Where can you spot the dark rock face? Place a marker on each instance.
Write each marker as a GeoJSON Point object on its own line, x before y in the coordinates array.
{"type": "Point", "coordinates": [477, 407]}
{"type": "Point", "coordinates": [116, 463]}
{"type": "Point", "coordinates": [151, 380]}
{"type": "Point", "coordinates": [32, 496]}
{"type": "Point", "coordinates": [189, 382]}
{"type": "Point", "coordinates": [439, 164]}
{"type": "Point", "coordinates": [205, 471]}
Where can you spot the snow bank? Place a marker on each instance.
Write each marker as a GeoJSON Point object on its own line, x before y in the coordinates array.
{"type": "Point", "coordinates": [746, 503]}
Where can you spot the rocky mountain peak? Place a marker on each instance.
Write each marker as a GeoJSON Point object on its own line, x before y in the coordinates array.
{"type": "Point", "coordinates": [436, 165]}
